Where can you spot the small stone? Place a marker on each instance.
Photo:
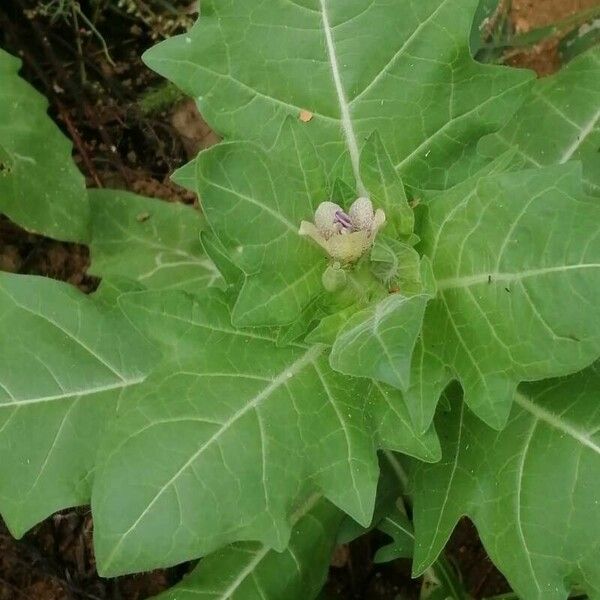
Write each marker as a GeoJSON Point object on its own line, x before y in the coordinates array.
{"type": "Point", "coordinates": [306, 116]}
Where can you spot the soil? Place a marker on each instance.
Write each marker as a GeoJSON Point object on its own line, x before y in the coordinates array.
{"type": "Point", "coordinates": [527, 15]}
{"type": "Point", "coordinates": [55, 561]}
{"type": "Point", "coordinates": [354, 576]}
{"type": "Point", "coordinates": [102, 105]}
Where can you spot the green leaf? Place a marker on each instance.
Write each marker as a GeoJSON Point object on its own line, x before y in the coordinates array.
{"type": "Point", "coordinates": [328, 327]}
{"type": "Point", "coordinates": [186, 176]}
{"type": "Point", "coordinates": [397, 265]}
{"type": "Point", "coordinates": [385, 188]}
{"type": "Point", "coordinates": [392, 480]}
{"type": "Point", "coordinates": [150, 241]}
{"type": "Point", "coordinates": [266, 195]}
{"type": "Point", "coordinates": [508, 251]}
{"type": "Point", "coordinates": [249, 570]}
{"type": "Point", "coordinates": [41, 189]}
{"type": "Point", "coordinates": [110, 290]}
{"type": "Point", "coordinates": [532, 489]}
{"type": "Point", "coordinates": [359, 66]}
{"type": "Point", "coordinates": [295, 331]}
{"type": "Point", "coordinates": [229, 434]}
{"type": "Point", "coordinates": [378, 342]}
{"type": "Point", "coordinates": [221, 259]}
{"type": "Point", "coordinates": [64, 361]}
{"type": "Point", "coordinates": [343, 194]}
{"type": "Point", "coordinates": [399, 528]}
{"type": "Point", "coordinates": [560, 122]}
{"type": "Point", "coordinates": [440, 581]}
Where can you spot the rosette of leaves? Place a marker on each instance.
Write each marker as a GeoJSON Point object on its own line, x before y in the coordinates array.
{"type": "Point", "coordinates": [237, 404]}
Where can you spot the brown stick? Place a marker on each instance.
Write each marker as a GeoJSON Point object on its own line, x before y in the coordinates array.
{"type": "Point", "coordinates": [66, 119]}
{"type": "Point", "coordinates": [63, 113]}
{"type": "Point", "coordinates": [482, 580]}
{"type": "Point", "coordinates": [66, 81]}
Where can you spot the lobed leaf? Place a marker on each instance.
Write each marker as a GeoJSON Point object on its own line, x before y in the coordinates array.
{"type": "Point", "coordinates": [378, 342]}
{"type": "Point", "coordinates": [41, 189]}
{"type": "Point", "coordinates": [560, 121]}
{"type": "Point", "coordinates": [355, 67]}
{"type": "Point", "coordinates": [64, 362]}
{"type": "Point", "coordinates": [248, 570]}
{"type": "Point", "coordinates": [531, 489]}
{"type": "Point", "coordinates": [229, 434]}
{"type": "Point", "coordinates": [398, 527]}
{"type": "Point", "coordinates": [398, 265]}
{"type": "Point", "coordinates": [440, 581]}
{"type": "Point", "coordinates": [385, 188]}
{"type": "Point", "coordinates": [254, 202]}
{"type": "Point", "coordinates": [233, 435]}
{"type": "Point", "coordinates": [507, 250]}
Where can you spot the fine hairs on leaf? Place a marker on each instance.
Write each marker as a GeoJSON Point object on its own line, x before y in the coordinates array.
{"type": "Point", "coordinates": [386, 296]}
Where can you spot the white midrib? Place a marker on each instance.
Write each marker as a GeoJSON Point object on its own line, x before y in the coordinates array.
{"type": "Point", "coordinates": [401, 527]}
{"type": "Point", "coordinates": [227, 593]}
{"type": "Point", "coordinates": [80, 342]}
{"type": "Point", "coordinates": [259, 556]}
{"type": "Point", "coordinates": [375, 332]}
{"type": "Point", "coordinates": [583, 133]}
{"type": "Point", "coordinates": [71, 394]}
{"type": "Point", "coordinates": [496, 277]}
{"type": "Point", "coordinates": [346, 118]}
{"type": "Point", "coordinates": [441, 513]}
{"type": "Point", "coordinates": [160, 266]}
{"type": "Point", "coordinates": [247, 570]}
{"type": "Point", "coordinates": [308, 357]}
{"type": "Point", "coordinates": [518, 501]}
{"type": "Point", "coordinates": [556, 422]}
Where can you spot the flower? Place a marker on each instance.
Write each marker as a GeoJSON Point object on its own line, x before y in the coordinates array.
{"type": "Point", "coordinates": [344, 236]}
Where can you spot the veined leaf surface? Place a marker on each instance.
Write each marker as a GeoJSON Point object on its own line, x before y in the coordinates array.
{"type": "Point", "coordinates": [531, 489]}
{"type": "Point", "coordinates": [559, 122]}
{"type": "Point", "coordinates": [153, 242]}
{"type": "Point", "coordinates": [356, 66]}
{"type": "Point", "coordinates": [64, 361]}
{"type": "Point", "coordinates": [378, 342]}
{"type": "Point", "coordinates": [229, 435]}
{"type": "Point", "coordinates": [254, 202]}
{"type": "Point", "coordinates": [516, 258]}
{"type": "Point", "coordinates": [249, 570]}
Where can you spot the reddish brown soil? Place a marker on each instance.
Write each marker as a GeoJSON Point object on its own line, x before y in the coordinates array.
{"type": "Point", "coordinates": [532, 14]}
{"type": "Point", "coordinates": [117, 145]}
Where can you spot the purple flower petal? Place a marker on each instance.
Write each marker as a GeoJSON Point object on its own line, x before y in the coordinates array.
{"type": "Point", "coordinates": [343, 219]}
